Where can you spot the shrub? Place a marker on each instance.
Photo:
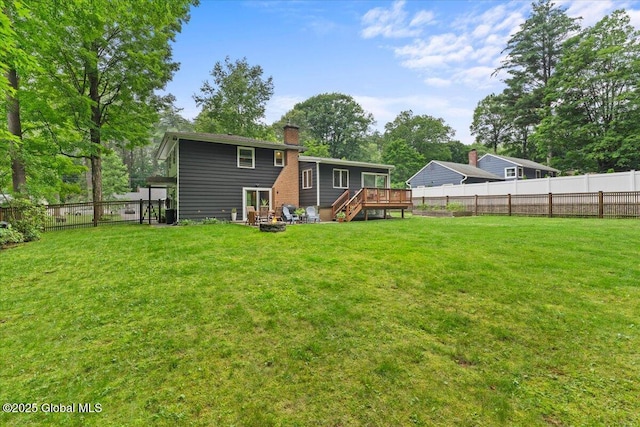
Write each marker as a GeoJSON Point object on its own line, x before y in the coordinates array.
{"type": "Point", "coordinates": [27, 218]}
{"type": "Point", "coordinates": [187, 222]}
{"type": "Point", "coordinates": [455, 207]}
{"type": "Point", "coordinates": [211, 221]}
{"type": "Point", "coordinates": [428, 207]}
{"type": "Point", "coordinates": [10, 235]}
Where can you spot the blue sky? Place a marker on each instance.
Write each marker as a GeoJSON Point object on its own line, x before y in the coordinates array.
{"type": "Point", "coordinates": [432, 57]}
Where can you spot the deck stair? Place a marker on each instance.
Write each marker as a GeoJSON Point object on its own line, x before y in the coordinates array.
{"type": "Point", "coordinates": [371, 198]}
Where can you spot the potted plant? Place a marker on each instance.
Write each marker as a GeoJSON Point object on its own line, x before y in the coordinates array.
{"type": "Point", "coordinates": [234, 214]}
{"type": "Point", "coordinates": [340, 216]}
{"type": "Point", "coordinates": [264, 208]}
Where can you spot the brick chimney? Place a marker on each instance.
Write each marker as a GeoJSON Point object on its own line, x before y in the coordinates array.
{"type": "Point", "coordinates": [286, 189]}
{"type": "Point", "coordinates": [473, 158]}
{"type": "Point", "coordinates": [291, 135]}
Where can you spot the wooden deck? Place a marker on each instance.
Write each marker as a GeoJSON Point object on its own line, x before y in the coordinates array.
{"type": "Point", "coordinates": [372, 198]}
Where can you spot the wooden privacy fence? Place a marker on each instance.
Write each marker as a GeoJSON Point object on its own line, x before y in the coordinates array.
{"type": "Point", "coordinates": [624, 204]}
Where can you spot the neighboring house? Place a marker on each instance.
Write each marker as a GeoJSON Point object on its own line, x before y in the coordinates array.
{"type": "Point", "coordinates": [145, 193]}
{"type": "Point", "coordinates": [437, 173]}
{"type": "Point", "coordinates": [490, 168]}
{"type": "Point", "coordinates": [513, 168]}
{"type": "Point", "coordinates": [210, 174]}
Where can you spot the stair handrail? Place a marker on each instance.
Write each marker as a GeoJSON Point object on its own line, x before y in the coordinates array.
{"type": "Point", "coordinates": [340, 203]}
{"type": "Point", "coordinates": [354, 205]}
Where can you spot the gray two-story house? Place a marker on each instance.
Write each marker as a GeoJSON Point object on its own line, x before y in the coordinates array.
{"type": "Point", "coordinates": [208, 175]}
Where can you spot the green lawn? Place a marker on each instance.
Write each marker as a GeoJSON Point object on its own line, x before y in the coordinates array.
{"type": "Point", "coordinates": [475, 321]}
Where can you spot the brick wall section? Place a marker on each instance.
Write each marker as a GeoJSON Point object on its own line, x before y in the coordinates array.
{"type": "Point", "coordinates": [473, 158]}
{"type": "Point", "coordinates": [286, 189]}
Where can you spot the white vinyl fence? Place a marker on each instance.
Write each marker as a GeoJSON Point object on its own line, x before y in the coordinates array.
{"type": "Point", "coordinates": [590, 183]}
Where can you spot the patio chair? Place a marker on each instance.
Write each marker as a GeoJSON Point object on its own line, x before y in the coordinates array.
{"type": "Point", "coordinates": [312, 216]}
{"type": "Point", "coordinates": [252, 216]}
{"type": "Point", "coordinates": [288, 216]}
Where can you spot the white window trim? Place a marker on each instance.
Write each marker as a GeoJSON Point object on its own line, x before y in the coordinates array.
{"type": "Point", "coordinates": [306, 181]}
{"type": "Point", "coordinates": [518, 172]}
{"type": "Point", "coordinates": [253, 157]}
{"type": "Point", "coordinates": [375, 179]}
{"type": "Point", "coordinates": [341, 184]}
{"type": "Point", "coordinates": [510, 169]}
{"type": "Point", "coordinates": [538, 173]}
{"type": "Point", "coordinates": [275, 158]}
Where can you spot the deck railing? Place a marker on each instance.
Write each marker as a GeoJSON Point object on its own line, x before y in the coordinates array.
{"type": "Point", "coordinates": [382, 198]}
{"type": "Point", "coordinates": [387, 196]}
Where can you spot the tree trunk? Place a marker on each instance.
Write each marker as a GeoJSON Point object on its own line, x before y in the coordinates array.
{"type": "Point", "coordinates": [96, 155]}
{"type": "Point", "coordinates": [18, 172]}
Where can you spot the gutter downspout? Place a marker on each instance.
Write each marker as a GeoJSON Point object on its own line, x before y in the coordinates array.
{"type": "Point", "coordinates": [318, 185]}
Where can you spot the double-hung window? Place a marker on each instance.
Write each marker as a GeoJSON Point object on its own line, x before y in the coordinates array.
{"type": "Point", "coordinates": [511, 172]}
{"type": "Point", "coordinates": [246, 157]}
{"type": "Point", "coordinates": [278, 158]}
{"type": "Point", "coordinates": [340, 178]}
{"type": "Point", "coordinates": [307, 181]}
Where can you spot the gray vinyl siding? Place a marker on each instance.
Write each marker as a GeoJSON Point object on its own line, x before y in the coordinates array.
{"type": "Point", "coordinates": [435, 175]}
{"type": "Point", "coordinates": [495, 165]}
{"type": "Point", "coordinates": [211, 182]}
{"type": "Point", "coordinates": [308, 197]}
{"type": "Point", "coordinates": [328, 194]}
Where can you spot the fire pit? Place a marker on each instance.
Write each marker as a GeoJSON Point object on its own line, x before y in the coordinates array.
{"type": "Point", "coordinates": [273, 227]}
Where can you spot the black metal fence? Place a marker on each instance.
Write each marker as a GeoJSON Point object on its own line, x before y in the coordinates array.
{"type": "Point", "coordinates": [77, 215]}
{"type": "Point", "coordinates": [623, 204]}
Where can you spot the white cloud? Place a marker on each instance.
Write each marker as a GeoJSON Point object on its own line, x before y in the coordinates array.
{"type": "Point", "coordinates": [477, 77]}
{"type": "Point", "coordinates": [386, 109]}
{"type": "Point", "coordinates": [437, 51]}
{"type": "Point", "coordinates": [456, 58]}
{"type": "Point", "coordinates": [422, 17]}
{"type": "Point", "coordinates": [591, 11]}
{"type": "Point", "coordinates": [392, 23]}
{"type": "Point", "coordinates": [437, 82]}
{"type": "Point", "coordinates": [634, 15]}
{"type": "Point", "coordinates": [279, 105]}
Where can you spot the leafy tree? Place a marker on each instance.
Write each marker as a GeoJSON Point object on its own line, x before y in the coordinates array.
{"type": "Point", "coordinates": [115, 178]}
{"type": "Point", "coordinates": [236, 100]}
{"type": "Point", "coordinates": [459, 151]}
{"type": "Point", "coordinates": [491, 122]}
{"type": "Point", "coordinates": [140, 161]}
{"type": "Point", "coordinates": [316, 149]}
{"type": "Point", "coordinates": [427, 135]}
{"type": "Point", "coordinates": [102, 65]}
{"type": "Point", "coordinates": [371, 147]}
{"type": "Point", "coordinates": [13, 54]}
{"type": "Point", "coordinates": [595, 97]}
{"type": "Point", "coordinates": [532, 55]}
{"type": "Point", "coordinates": [334, 120]}
{"type": "Point", "coordinates": [405, 158]}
